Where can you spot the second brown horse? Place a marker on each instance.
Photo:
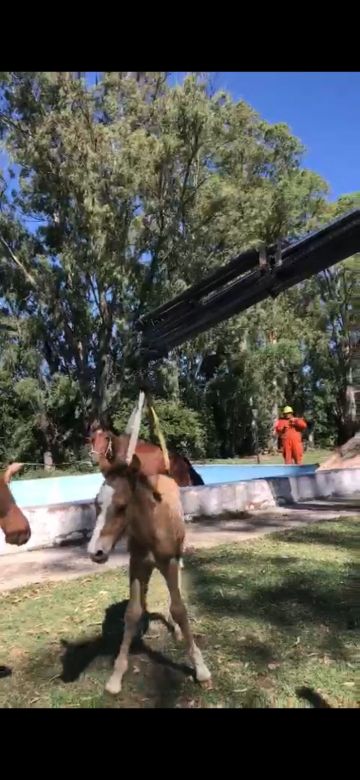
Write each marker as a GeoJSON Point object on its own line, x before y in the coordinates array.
{"type": "Point", "coordinates": [114, 448]}
{"type": "Point", "coordinates": [13, 522]}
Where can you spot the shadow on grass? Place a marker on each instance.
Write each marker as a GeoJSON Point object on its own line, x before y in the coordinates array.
{"type": "Point", "coordinates": [285, 591]}
{"type": "Point", "coordinates": [332, 505]}
{"type": "Point", "coordinates": [5, 671]}
{"type": "Point", "coordinates": [166, 678]}
{"type": "Point", "coordinates": [312, 697]}
{"type": "Point", "coordinates": [347, 540]}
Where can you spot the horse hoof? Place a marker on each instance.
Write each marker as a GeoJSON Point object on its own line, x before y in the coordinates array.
{"type": "Point", "coordinates": [206, 684]}
{"type": "Point", "coordinates": [203, 675]}
{"type": "Point", "coordinates": [113, 685]}
{"type": "Point", "coordinates": [177, 634]}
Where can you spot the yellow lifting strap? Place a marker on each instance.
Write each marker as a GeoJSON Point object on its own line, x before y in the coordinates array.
{"type": "Point", "coordinates": [133, 428]}
{"type": "Point", "coordinates": [159, 434]}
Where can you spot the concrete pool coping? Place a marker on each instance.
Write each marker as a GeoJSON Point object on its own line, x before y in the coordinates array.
{"type": "Point", "coordinates": [56, 490]}
{"type": "Point", "coordinates": [66, 523]}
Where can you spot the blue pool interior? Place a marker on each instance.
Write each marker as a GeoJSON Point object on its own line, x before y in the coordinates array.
{"type": "Point", "coordinates": [59, 490]}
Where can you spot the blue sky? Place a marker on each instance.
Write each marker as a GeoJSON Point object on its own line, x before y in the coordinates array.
{"type": "Point", "coordinates": [322, 109]}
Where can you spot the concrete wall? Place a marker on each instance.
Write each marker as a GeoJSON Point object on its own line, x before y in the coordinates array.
{"type": "Point", "coordinates": [211, 500]}
{"type": "Point", "coordinates": [322, 484]}
{"type": "Point", "coordinates": [54, 526]}
{"type": "Point", "coordinates": [61, 524]}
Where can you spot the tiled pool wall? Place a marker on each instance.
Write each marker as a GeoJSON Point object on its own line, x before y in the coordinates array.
{"type": "Point", "coordinates": [59, 522]}
{"type": "Point", "coordinates": [57, 490]}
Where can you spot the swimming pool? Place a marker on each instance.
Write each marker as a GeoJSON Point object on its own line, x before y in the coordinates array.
{"type": "Point", "coordinates": [59, 490]}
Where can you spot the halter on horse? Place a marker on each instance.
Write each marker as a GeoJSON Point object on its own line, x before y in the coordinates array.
{"type": "Point", "coordinates": [154, 459]}
{"type": "Point", "coordinates": [99, 434]}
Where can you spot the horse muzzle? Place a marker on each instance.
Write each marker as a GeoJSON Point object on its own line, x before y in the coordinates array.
{"type": "Point", "coordinates": [18, 537]}
{"type": "Point", "coordinates": [99, 556]}
{"type": "Point", "coordinates": [94, 457]}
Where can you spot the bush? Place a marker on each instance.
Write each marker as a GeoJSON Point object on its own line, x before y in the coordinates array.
{"type": "Point", "coordinates": [181, 426]}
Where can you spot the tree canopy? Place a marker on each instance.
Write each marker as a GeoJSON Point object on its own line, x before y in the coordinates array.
{"type": "Point", "coordinates": [119, 195]}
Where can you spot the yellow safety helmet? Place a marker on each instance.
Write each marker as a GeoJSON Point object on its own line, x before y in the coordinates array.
{"type": "Point", "coordinates": [288, 410]}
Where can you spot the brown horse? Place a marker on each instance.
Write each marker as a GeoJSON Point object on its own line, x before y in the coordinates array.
{"type": "Point", "coordinates": [149, 511]}
{"type": "Point", "coordinates": [114, 448]}
{"type": "Point", "coordinates": [12, 522]}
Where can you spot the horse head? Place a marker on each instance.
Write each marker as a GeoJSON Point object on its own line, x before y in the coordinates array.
{"type": "Point", "coordinates": [125, 480]}
{"type": "Point", "coordinates": [101, 442]}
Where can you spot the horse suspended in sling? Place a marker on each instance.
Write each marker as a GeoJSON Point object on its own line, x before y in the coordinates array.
{"type": "Point", "coordinates": [148, 510]}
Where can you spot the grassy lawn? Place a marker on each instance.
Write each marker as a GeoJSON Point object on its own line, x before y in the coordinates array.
{"type": "Point", "coordinates": [277, 619]}
{"type": "Point", "coordinates": [310, 457]}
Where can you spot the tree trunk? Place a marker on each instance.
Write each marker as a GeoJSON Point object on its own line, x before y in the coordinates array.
{"type": "Point", "coordinates": [272, 441]}
{"type": "Point", "coordinates": [48, 461]}
{"type": "Point", "coordinates": [350, 409]}
{"type": "Point", "coordinates": [311, 439]}
{"type": "Point", "coordinates": [48, 455]}
{"type": "Point", "coordinates": [254, 427]}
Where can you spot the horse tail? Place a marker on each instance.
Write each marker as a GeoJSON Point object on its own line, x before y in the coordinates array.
{"type": "Point", "coordinates": [196, 479]}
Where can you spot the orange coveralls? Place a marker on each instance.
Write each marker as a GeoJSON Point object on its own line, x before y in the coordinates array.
{"type": "Point", "coordinates": [290, 436]}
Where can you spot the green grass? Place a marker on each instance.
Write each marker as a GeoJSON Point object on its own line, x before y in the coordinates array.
{"type": "Point", "coordinates": [37, 472]}
{"type": "Point", "coordinates": [310, 457]}
{"type": "Point", "coordinates": [277, 619]}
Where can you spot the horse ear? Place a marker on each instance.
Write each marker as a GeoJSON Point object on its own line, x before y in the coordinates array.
{"type": "Point", "coordinates": [135, 464]}
{"type": "Point", "coordinates": [106, 421]}
{"type": "Point", "coordinates": [11, 470]}
{"type": "Point", "coordinates": [94, 426]}
{"type": "Point", "coordinates": [104, 465]}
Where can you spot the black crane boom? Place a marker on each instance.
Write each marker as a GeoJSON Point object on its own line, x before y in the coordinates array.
{"type": "Point", "coordinates": [245, 281]}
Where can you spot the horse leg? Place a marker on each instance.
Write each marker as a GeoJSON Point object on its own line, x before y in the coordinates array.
{"type": "Point", "coordinates": [179, 614]}
{"type": "Point", "coordinates": [148, 569]}
{"type": "Point", "coordinates": [138, 574]}
{"type": "Point", "coordinates": [144, 585]}
{"type": "Point", "coordinates": [168, 621]}
{"type": "Point", "coordinates": [174, 627]}
{"type": "Point", "coordinates": [153, 616]}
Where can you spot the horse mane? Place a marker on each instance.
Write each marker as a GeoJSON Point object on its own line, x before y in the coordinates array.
{"type": "Point", "coordinates": [180, 469]}
{"type": "Point", "coordinates": [131, 472]}
{"type": "Point", "coordinates": [105, 423]}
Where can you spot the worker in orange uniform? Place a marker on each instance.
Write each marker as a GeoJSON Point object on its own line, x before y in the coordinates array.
{"type": "Point", "coordinates": [288, 428]}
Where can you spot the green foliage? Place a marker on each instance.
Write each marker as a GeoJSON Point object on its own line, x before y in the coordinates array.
{"type": "Point", "coordinates": [123, 194]}
{"type": "Point", "coordinates": [182, 426]}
